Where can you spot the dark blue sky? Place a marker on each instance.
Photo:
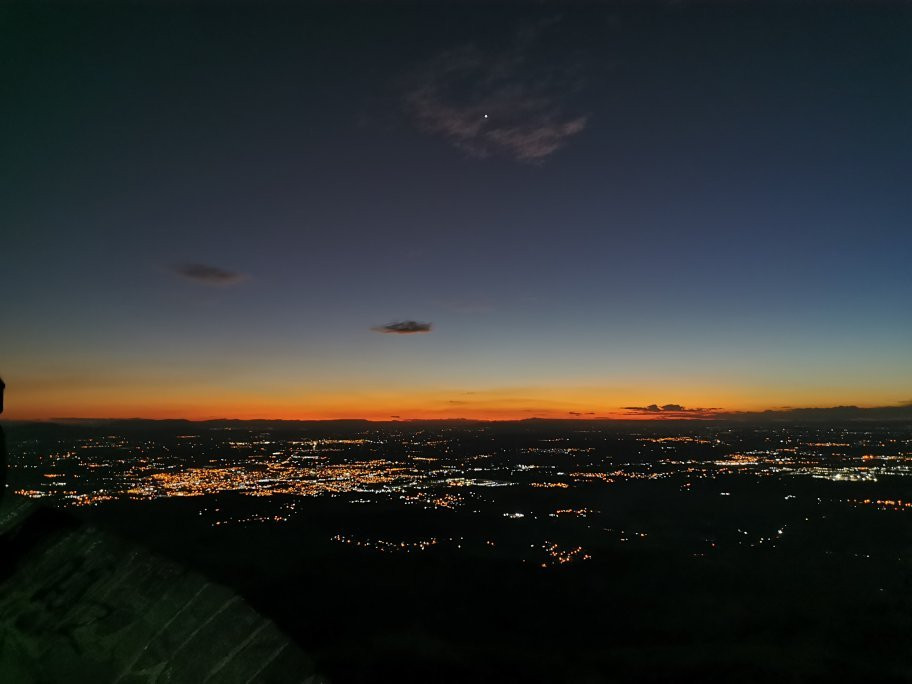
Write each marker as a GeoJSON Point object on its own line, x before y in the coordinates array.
{"type": "Point", "coordinates": [698, 204]}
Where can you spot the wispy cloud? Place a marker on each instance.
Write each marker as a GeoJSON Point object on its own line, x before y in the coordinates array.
{"type": "Point", "coordinates": [403, 328]}
{"type": "Point", "coordinates": [467, 305]}
{"type": "Point", "coordinates": [502, 102]}
{"type": "Point", "coordinates": [210, 275]}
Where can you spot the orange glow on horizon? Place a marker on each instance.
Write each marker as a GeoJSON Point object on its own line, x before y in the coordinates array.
{"type": "Point", "coordinates": [197, 403]}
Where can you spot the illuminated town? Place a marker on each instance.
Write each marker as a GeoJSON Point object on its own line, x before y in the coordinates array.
{"type": "Point", "coordinates": [535, 493]}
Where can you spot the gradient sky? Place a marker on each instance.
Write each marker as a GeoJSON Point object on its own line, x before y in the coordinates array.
{"type": "Point", "coordinates": [207, 210]}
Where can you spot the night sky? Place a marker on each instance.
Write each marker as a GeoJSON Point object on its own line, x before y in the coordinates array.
{"type": "Point", "coordinates": [306, 211]}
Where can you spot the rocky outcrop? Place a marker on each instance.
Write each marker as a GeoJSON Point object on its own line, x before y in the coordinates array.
{"type": "Point", "coordinates": [77, 604]}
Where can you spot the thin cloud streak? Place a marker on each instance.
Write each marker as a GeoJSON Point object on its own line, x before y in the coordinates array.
{"type": "Point", "coordinates": [210, 275]}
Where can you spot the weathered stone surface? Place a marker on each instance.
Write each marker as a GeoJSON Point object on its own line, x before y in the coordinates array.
{"type": "Point", "coordinates": [79, 605]}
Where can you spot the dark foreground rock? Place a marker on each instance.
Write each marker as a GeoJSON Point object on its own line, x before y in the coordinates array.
{"type": "Point", "coordinates": [80, 605]}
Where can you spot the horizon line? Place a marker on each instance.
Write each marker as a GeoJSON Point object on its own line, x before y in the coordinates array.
{"type": "Point", "coordinates": [895, 412]}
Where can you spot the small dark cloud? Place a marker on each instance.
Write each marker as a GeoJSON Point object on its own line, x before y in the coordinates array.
{"type": "Point", "coordinates": [671, 411]}
{"type": "Point", "coordinates": [511, 101]}
{"type": "Point", "coordinates": [403, 328]}
{"type": "Point", "coordinates": [652, 408]}
{"type": "Point", "coordinates": [581, 413]}
{"type": "Point", "coordinates": [211, 275]}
